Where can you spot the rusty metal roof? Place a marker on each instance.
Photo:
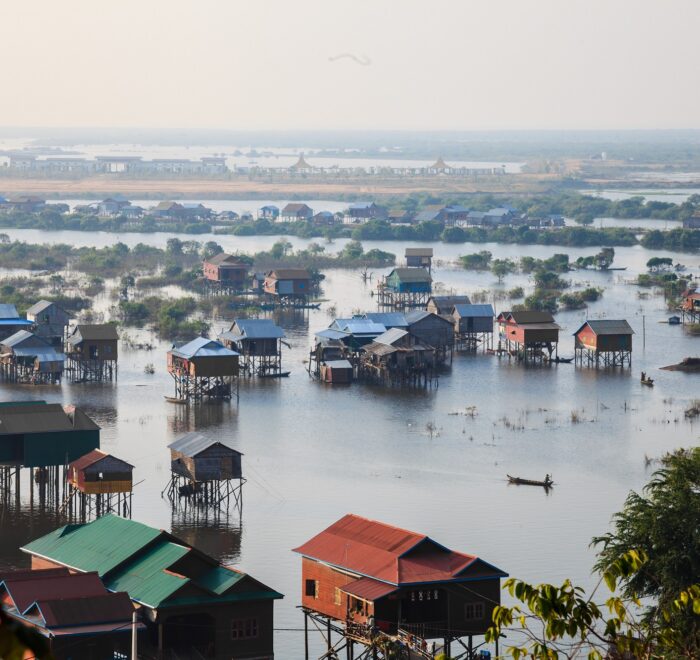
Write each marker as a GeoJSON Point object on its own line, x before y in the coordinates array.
{"type": "Point", "coordinates": [93, 457]}
{"type": "Point", "coordinates": [100, 332]}
{"type": "Point", "coordinates": [389, 554]}
{"type": "Point", "coordinates": [289, 274]}
{"type": "Point", "coordinates": [86, 610]}
{"type": "Point", "coordinates": [368, 589]}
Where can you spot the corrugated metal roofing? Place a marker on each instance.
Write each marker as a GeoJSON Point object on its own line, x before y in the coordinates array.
{"type": "Point", "coordinates": [375, 348]}
{"type": "Point", "coordinates": [411, 274]}
{"type": "Point", "coordinates": [194, 443]}
{"type": "Point", "coordinates": [203, 347]}
{"type": "Point", "coordinates": [388, 319]}
{"type": "Point", "coordinates": [608, 327]}
{"type": "Point", "coordinates": [368, 589]}
{"type": "Point", "coordinates": [39, 307]}
{"type": "Point", "coordinates": [257, 329]}
{"type": "Point", "coordinates": [34, 417]}
{"type": "Point", "coordinates": [289, 274]}
{"type": "Point", "coordinates": [419, 252]}
{"type": "Point", "coordinates": [388, 554]}
{"type": "Point", "coordinates": [363, 327]}
{"type": "Point", "coordinates": [25, 590]}
{"type": "Point", "coordinates": [93, 457]}
{"type": "Point", "coordinates": [42, 355]}
{"type": "Point", "coordinates": [390, 337]}
{"type": "Point", "coordinates": [145, 577]}
{"type": "Point", "coordinates": [8, 311]}
{"type": "Point", "coordinates": [96, 332]}
{"type": "Point", "coordinates": [330, 333]}
{"type": "Point", "coordinates": [17, 322]}
{"type": "Point", "coordinates": [219, 579]}
{"type": "Point", "coordinates": [529, 316]}
{"type": "Point", "coordinates": [338, 364]}
{"type": "Point", "coordinates": [476, 311]}
{"type": "Point", "coordinates": [224, 258]}
{"type": "Point", "coordinates": [21, 336]}
{"type": "Point", "coordinates": [81, 611]}
{"type": "Point", "coordinates": [100, 545]}
{"type": "Point", "coordinates": [446, 303]}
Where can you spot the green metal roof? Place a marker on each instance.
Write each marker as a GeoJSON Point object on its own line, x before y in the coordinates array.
{"type": "Point", "coordinates": [219, 579]}
{"type": "Point", "coordinates": [145, 578]}
{"type": "Point", "coordinates": [100, 545]}
{"type": "Point", "coordinates": [227, 598]}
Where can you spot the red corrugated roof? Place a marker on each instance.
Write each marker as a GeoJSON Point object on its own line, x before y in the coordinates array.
{"type": "Point", "coordinates": [25, 590]}
{"type": "Point", "coordinates": [386, 553]}
{"type": "Point", "coordinates": [89, 458]}
{"type": "Point", "coordinates": [368, 589]}
{"type": "Point", "coordinates": [106, 608]}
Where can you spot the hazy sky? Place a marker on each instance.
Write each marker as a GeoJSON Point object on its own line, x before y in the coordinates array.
{"type": "Point", "coordinates": [435, 64]}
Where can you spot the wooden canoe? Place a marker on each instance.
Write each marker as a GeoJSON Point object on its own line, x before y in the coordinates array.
{"type": "Point", "coordinates": [174, 399]}
{"type": "Point", "coordinates": [530, 482]}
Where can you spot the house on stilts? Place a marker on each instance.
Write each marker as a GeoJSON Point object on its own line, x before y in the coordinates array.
{"type": "Point", "coordinates": [259, 345]}
{"type": "Point", "coordinates": [404, 288]}
{"type": "Point", "coordinates": [604, 343]}
{"type": "Point", "coordinates": [203, 368]}
{"type": "Point", "coordinates": [30, 359]}
{"type": "Point", "coordinates": [528, 335]}
{"type": "Point", "coordinates": [370, 585]}
{"type": "Point", "coordinates": [50, 322]}
{"type": "Point", "coordinates": [473, 326]}
{"type": "Point", "coordinates": [91, 352]}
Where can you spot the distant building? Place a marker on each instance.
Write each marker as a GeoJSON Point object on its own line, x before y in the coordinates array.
{"type": "Point", "coordinates": [269, 212]}
{"type": "Point", "coordinates": [26, 203]}
{"type": "Point", "coordinates": [167, 210]}
{"type": "Point", "coordinates": [295, 211]}
{"type": "Point", "coordinates": [92, 352]}
{"type": "Point", "coordinates": [604, 342]}
{"type": "Point", "coordinates": [419, 258]}
{"type": "Point", "coordinates": [326, 219]}
{"type": "Point", "coordinates": [362, 212]}
{"type": "Point", "coordinates": [112, 206]}
{"type": "Point", "coordinates": [301, 166]}
{"type": "Point", "coordinates": [288, 283]}
{"type": "Point", "coordinates": [226, 270]}
{"type": "Point", "coordinates": [445, 304]}
{"type": "Point", "coordinates": [10, 321]}
{"type": "Point", "coordinates": [28, 358]}
{"type": "Point", "coordinates": [692, 222]}
{"type": "Point", "coordinates": [76, 614]}
{"type": "Point", "coordinates": [192, 606]}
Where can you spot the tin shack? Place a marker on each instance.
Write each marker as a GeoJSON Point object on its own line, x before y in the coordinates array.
{"type": "Point", "coordinates": [50, 322]}
{"type": "Point", "coordinates": [604, 342]}
{"type": "Point", "coordinates": [226, 271]}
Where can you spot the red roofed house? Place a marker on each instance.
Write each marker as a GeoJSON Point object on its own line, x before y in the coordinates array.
{"type": "Point", "coordinates": [690, 305]}
{"type": "Point", "coordinates": [368, 574]}
{"type": "Point", "coordinates": [78, 616]}
{"type": "Point", "coordinates": [528, 334]}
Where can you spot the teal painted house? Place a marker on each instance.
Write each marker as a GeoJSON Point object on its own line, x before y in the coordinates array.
{"type": "Point", "coordinates": [409, 280]}
{"type": "Point", "coordinates": [40, 434]}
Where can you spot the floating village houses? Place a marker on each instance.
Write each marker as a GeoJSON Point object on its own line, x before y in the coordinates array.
{"type": "Point", "coordinates": [295, 211]}
{"type": "Point", "coordinates": [363, 212]}
{"type": "Point", "coordinates": [92, 352]}
{"type": "Point", "coordinates": [28, 358]}
{"type": "Point", "coordinates": [444, 305]}
{"type": "Point", "coordinates": [405, 287]}
{"type": "Point", "coordinates": [191, 605]}
{"type": "Point", "coordinates": [203, 368]}
{"type": "Point", "coordinates": [269, 212]}
{"type": "Point", "coordinates": [205, 470]}
{"type": "Point", "coordinates": [432, 330]}
{"type": "Point", "coordinates": [225, 272]}
{"type": "Point", "coordinates": [10, 321]}
{"type": "Point", "coordinates": [529, 335]}
{"type": "Point", "coordinates": [46, 436]}
{"type": "Point", "coordinates": [604, 342]}
{"type": "Point", "coordinates": [420, 258]}
{"type": "Point", "coordinates": [74, 612]}
{"type": "Point", "coordinates": [50, 322]}
{"type": "Point", "coordinates": [473, 325]}
{"type": "Point", "coordinates": [101, 483]}
{"type": "Point", "coordinates": [259, 345]}
{"type": "Point", "coordinates": [363, 579]}
{"type": "Point", "coordinates": [336, 372]}
{"type": "Point", "coordinates": [397, 358]}
{"type": "Point", "coordinates": [288, 285]}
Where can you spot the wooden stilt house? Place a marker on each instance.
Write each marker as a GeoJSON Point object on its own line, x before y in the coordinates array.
{"type": "Point", "coordinates": [28, 358]}
{"type": "Point", "coordinates": [443, 305]}
{"type": "Point", "coordinates": [10, 321]}
{"type": "Point", "coordinates": [92, 352]}
{"type": "Point", "coordinates": [420, 258]}
{"type": "Point", "coordinates": [432, 330]}
{"type": "Point", "coordinates": [375, 580]}
{"type": "Point", "coordinates": [404, 288]}
{"type": "Point", "coordinates": [288, 285]}
{"type": "Point", "coordinates": [528, 335]}
{"type": "Point", "coordinates": [259, 344]}
{"type": "Point", "coordinates": [50, 322]}
{"type": "Point", "coordinates": [604, 342]}
{"type": "Point", "coordinates": [226, 272]}
{"type": "Point", "coordinates": [473, 325]}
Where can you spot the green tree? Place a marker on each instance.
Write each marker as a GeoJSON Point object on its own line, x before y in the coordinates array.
{"type": "Point", "coordinates": [502, 267]}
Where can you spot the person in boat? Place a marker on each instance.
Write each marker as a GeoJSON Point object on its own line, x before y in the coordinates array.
{"type": "Point", "coordinates": [644, 376]}
{"type": "Point", "coordinates": [548, 479]}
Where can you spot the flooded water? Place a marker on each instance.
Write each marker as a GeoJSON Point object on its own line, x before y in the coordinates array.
{"type": "Point", "coordinates": [315, 452]}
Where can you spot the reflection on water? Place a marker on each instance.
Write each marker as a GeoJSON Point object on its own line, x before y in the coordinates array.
{"type": "Point", "coordinates": [434, 460]}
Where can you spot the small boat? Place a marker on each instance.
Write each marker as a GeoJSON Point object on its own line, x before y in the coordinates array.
{"type": "Point", "coordinates": [174, 399]}
{"type": "Point", "coordinates": [547, 483]}
{"type": "Point", "coordinates": [277, 374]}
{"type": "Point", "coordinates": [561, 360]}
{"type": "Point", "coordinates": [645, 380]}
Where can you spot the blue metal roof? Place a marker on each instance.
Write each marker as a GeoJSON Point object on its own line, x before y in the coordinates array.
{"type": "Point", "coordinates": [16, 321]}
{"type": "Point", "coordinates": [18, 338]}
{"type": "Point", "coordinates": [330, 333]}
{"type": "Point", "coordinates": [203, 347]}
{"type": "Point", "coordinates": [416, 315]}
{"type": "Point", "coordinates": [8, 311]}
{"type": "Point", "coordinates": [363, 327]}
{"type": "Point", "coordinates": [256, 329]}
{"type": "Point", "coordinates": [391, 336]}
{"type": "Point", "coordinates": [485, 311]}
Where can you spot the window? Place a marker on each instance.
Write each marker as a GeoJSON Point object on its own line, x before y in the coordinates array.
{"type": "Point", "coordinates": [474, 611]}
{"type": "Point", "coordinates": [311, 588]}
{"type": "Point", "coordinates": [244, 628]}
{"type": "Point", "coordinates": [336, 596]}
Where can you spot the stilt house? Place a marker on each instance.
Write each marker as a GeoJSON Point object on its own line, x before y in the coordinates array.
{"type": "Point", "coordinates": [10, 321]}
{"type": "Point", "coordinates": [336, 371]}
{"type": "Point", "coordinates": [288, 284]}
{"type": "Point", "coordinates": [529, 335]}
{"type": "Point", "coordinates": [92, 352]}
{"type": "Point", "coordinates": [443, 305]}
{"type": "Point", "coordinates": [374, 578]}
{"type": "Point", "coordinates": [50, 322]}
{"type": "Point", "coordinates": [397, 358]}
{"type": "Point", "coordinates": [192, 606]}
{"type": "Point", "coordinates": [98, 472]}
{"type": "Point", "coordinates": [431, 329]}
{"type": "Point", "coordinates": [199, 458]}
{"type": "Point", "coordinates": [473, 325]}
{"type": "Point", "coordinates": [419, 258]}
{"type": "Point", "coordinates": [690, 306]}
{"type": "Point", "coordinates": [604, 342]}
{"type": "Point", "coordinates": [259, 344]}
{"type": "Point", "coordinates": [226, 271]}
{"type": "Point", "coordinates": [27, 358]}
